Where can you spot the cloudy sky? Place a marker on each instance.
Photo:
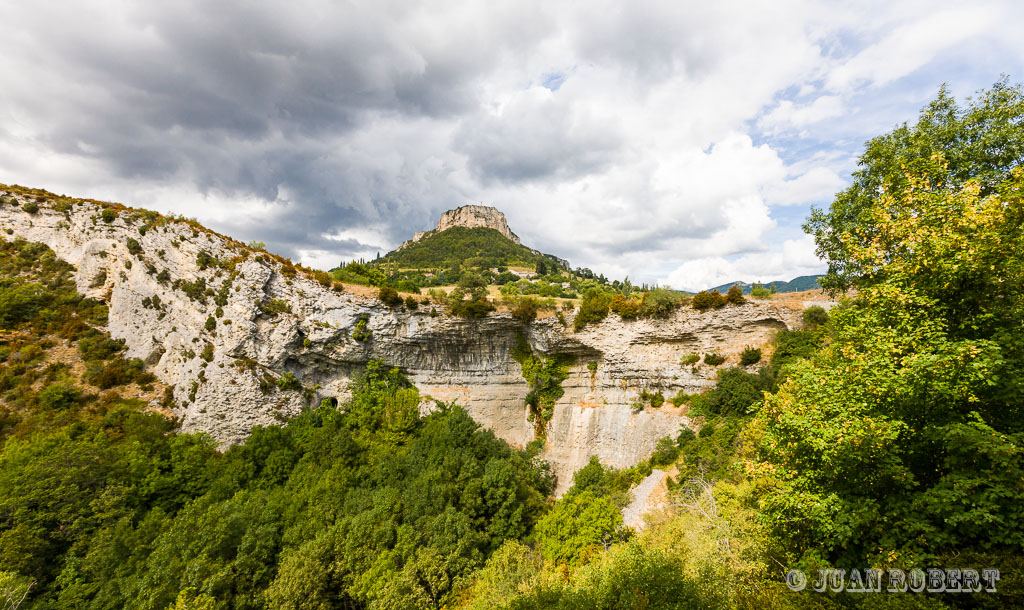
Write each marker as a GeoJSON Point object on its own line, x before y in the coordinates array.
{"type": "Point", "coordinates": [672, 141]}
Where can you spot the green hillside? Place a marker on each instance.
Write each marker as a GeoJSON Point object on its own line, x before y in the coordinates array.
{"type": "Point", "coordinates": [471, 247]}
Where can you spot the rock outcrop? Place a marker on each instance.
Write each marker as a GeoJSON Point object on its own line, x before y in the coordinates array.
{"type": "Point", "coordinates": [222, 323]}
{"type": "Point", "coordinates": [469, 216]}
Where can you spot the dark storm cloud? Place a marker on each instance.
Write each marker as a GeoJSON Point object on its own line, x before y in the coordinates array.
{"type": "Point", "coordinates": [242, 100]}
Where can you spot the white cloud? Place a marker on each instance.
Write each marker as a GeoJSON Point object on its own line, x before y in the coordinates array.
{"type": "Point", "coordinates": [817, 185]}
{"type": "Point", "coordinates": [790, 115]}
{"type": "Point", "coordinates": [795, 258]}
{"type": "Point", "coordinates": [910, 46]}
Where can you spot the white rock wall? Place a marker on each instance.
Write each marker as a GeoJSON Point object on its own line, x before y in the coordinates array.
{"type": "Point", "coordinates": [448, 358]}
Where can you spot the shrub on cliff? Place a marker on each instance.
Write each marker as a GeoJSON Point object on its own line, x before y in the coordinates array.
{"type": "Point", "coordinates": [707, 300]}
{"type": "Point", "coordinates": [735, 295]}
{"type": "Point", "coordinates": [627, 308]}
{"type": "Point", "coordinates": [389, 296]}
{"type": "Point", "coordinates": [593, 309]}
{"type": "Point", "coordinates": [714, 359]}
{"type": "Point", "coordinates": [525, 310]}
{"type": "Point", "coordinates": [659, 302]}
{"type": "Point", "coordinates": [750, 355]}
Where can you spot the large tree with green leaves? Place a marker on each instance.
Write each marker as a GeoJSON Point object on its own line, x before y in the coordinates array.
{"type": "Point", "coordinates": [902, 441]}
{"type": "Point", "coordinates": [981, 141]}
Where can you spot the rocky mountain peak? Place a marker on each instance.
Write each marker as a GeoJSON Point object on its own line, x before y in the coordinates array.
{"type": "Point", "coordinates": [471, 216]}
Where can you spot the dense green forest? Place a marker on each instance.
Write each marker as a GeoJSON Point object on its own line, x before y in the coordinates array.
{"type": "Point", "coordinates": [886, 434]}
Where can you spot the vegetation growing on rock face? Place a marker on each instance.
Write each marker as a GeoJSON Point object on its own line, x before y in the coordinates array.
{"type": "Point", "coordinates": [750, 355]}
{"type": "Point", "coordinates": [360, 330]}
{"type": "Point", "coordinates": [544, 376]}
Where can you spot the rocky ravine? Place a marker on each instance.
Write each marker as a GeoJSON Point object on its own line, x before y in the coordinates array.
{"type": "Point", "coordinates": [447, 358]}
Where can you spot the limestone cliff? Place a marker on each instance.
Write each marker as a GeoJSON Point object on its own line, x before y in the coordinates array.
{"type": "Point", "coordinates": [222, 323]}
{"type": "Point", "coordinates": [469, 216]}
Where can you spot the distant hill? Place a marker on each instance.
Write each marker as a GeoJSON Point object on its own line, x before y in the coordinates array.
{"type": "Point", "coordinates": [471, 246]}
{"type": "Point", "coordinates": [797, 284]}
{"type": "Point", "coordinates": [472, 236]}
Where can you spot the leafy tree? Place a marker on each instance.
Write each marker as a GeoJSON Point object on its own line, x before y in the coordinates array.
{"type": "Point", "coordinates": [579, 525]}
{"type": "Point", "coordinates": [734, 394]}
{"type": "Point", "coordinates": [982, 142]}
{"type": "Point", "coordinates": [921, 383]}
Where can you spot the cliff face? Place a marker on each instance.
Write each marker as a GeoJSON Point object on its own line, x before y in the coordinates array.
{"type": "Point", "coordinates": [470, 216]}
{"type": "Point", "coordinates": [272, 321]}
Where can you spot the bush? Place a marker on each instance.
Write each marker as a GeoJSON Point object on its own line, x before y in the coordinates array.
{"type": "Point", "coordinates": [31, 207]}
{"type": "Point", "coordinates": [411, 304]}
{"type": "Point", "coordinates": [735, 393]}
{"type": "Point", "coordinates": [207, 354]}
{"type": "Point", "coordinates": [593, 309]}
{"type": "Point", "coordinates": [108, 215]}
{"type": "Point", "coordinates": [58, 396]}
{"type": "Point", "coordinates": [360, 332]}
{"type": "Point", "coordinates": [389, 296]}
{"type": "Point", "coordinates": [323, 278]}
{"type": "Point", "coordinates": [659, 302]}
{"type": "Point", "coordinates": [95, 346]}
{"type": "Point", "coordinates": [685, 436]}
{"type": "Point", "coordinates": [690, 359]}
{"type": "Point", "coordinates": [525, 310]}
{"type": "Point", "coordinates": [665, 452]}
{"type": "Point", "coordinates": [680, 398]}
{"type": "Point", "coordinates": [274, 307]}
{"type": "Point", "coordinates": [749, 356]}
{"type": "Point", "coordinates": [714, 359]}
{"type": "Point", "coordinates": [735, 295]}
{"type": "Point", "coordinates": [211, 323]}
{"type": "Point", "coordinates": [474, 308]}
{"type": "Point", "coordinates": [815, 316]}
{"type": "Point", "coordinates": [760, 292]}
{"type": "Point", "coordinates": [407, 286]}
{"type": "Point", "coordinates": [708, 300]}
{"type": "Point", "coordinates": [288, 381]}
{"type": "Point", "coordinates": [626, 307]}
{"type": "Point", "coordinates": [204, 259]}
